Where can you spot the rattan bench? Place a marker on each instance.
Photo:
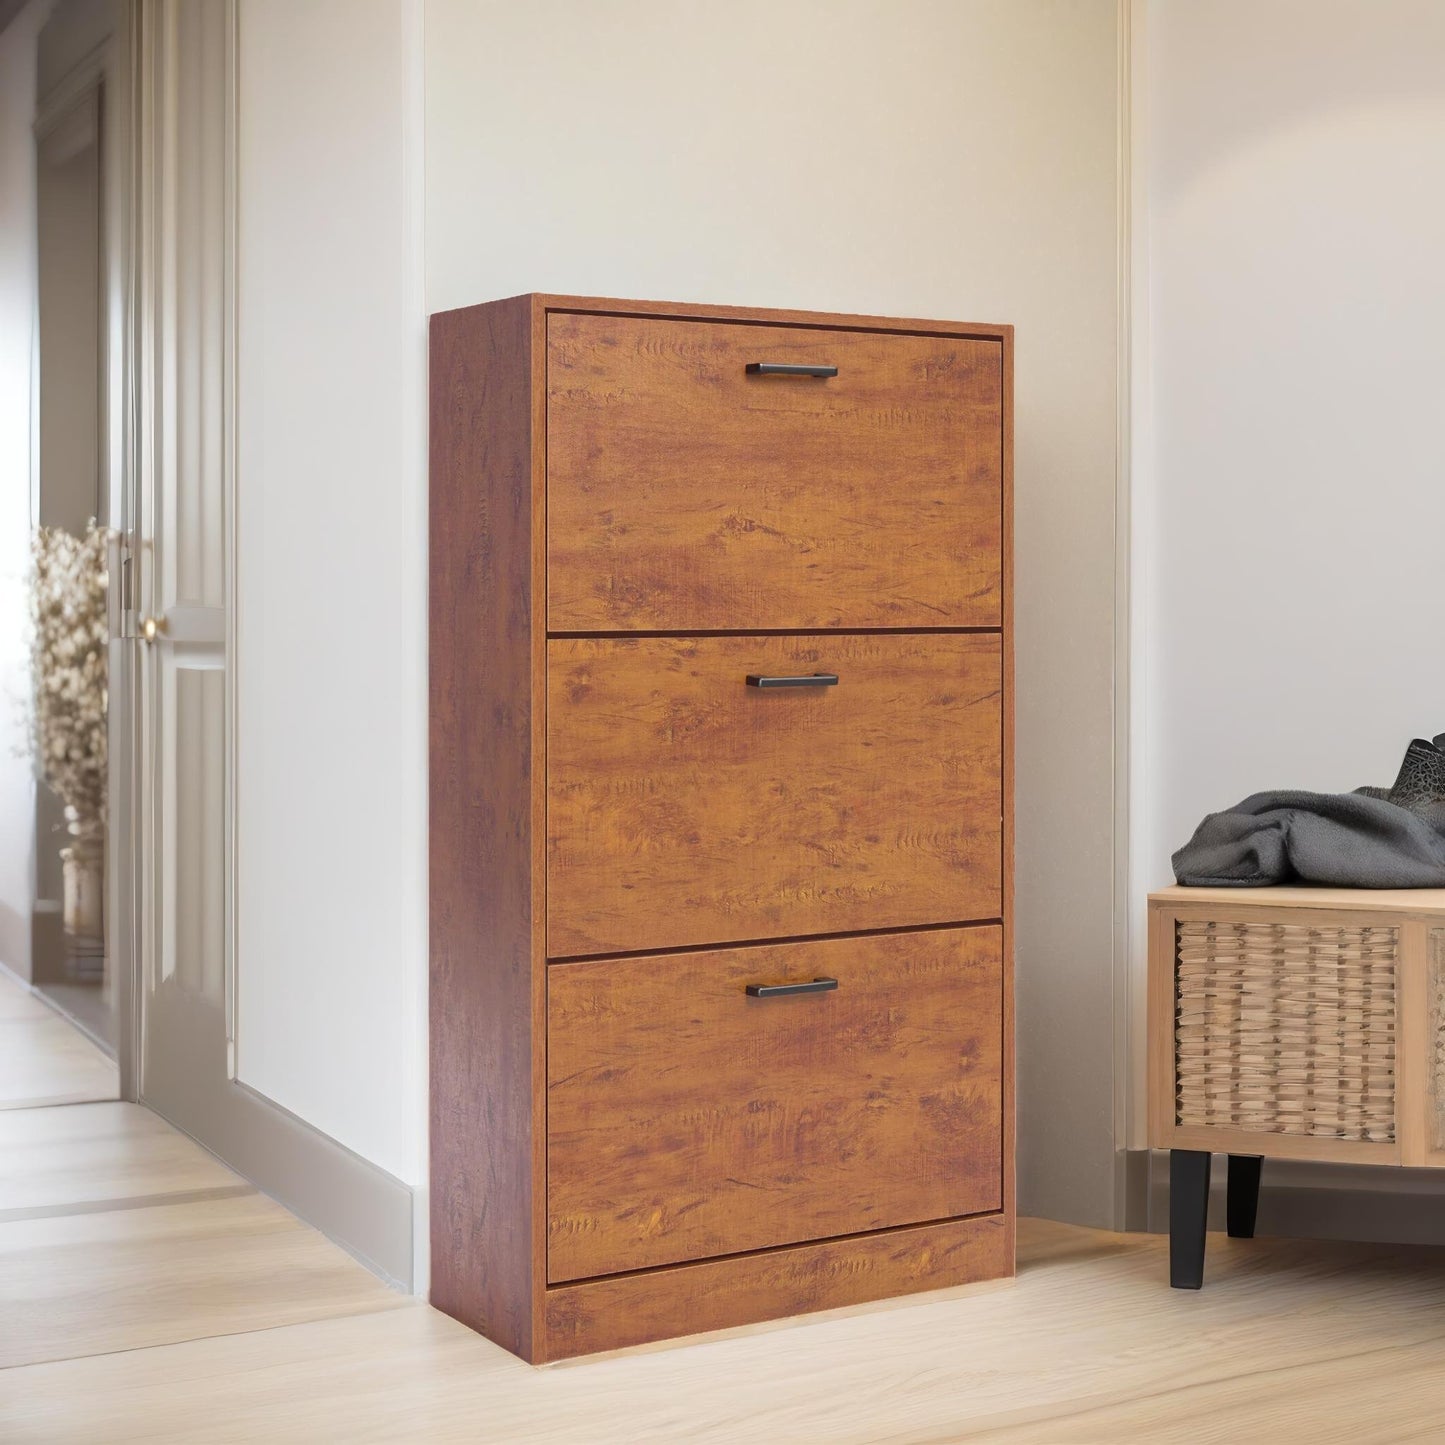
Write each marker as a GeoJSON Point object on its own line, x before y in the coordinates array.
{"type": "Point", "coordinates": [1290, 1023]}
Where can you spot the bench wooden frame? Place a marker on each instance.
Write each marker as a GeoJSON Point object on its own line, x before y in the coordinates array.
{"type": "Point", "coordinates": [1413, 1059]}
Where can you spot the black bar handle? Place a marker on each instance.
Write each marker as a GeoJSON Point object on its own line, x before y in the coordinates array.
{"type": "Point", "coordinates": [812, 679]}
{"type": "Point", "coordinates": [781, 990]}
{"type": "Point", "coordinates": [788, 368]}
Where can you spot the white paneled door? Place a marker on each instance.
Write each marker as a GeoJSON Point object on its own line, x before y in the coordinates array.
{"type": "Point", "coordinates": [179, 542]}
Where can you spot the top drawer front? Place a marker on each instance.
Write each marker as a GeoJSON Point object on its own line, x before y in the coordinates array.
{"type": "Point", "coordinates": [685, 493]}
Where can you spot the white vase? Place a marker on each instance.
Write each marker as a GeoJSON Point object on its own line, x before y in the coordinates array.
{"type": "Point", "coordinates": [84, 906]}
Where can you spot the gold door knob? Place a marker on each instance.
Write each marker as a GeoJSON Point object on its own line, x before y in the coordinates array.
{"type": "Point", "coordinates": [151, 628]}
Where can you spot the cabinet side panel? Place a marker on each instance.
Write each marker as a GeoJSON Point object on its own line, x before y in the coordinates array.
{"type": "Point", "coordinates": [481, 810]}
{"type": "Point", "coordinates": [1010, 1097]}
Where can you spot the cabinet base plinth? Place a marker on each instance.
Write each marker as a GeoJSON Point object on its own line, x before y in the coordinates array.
{"type": "Point", "coordinates": [688, 1299]}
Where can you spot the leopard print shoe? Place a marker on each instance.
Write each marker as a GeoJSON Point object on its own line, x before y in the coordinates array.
{"type": "Point", "coordinates": [1422, 775]}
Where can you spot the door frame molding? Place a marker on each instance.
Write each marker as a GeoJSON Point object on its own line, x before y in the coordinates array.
{"type": "Point", "coordinates": [359, 1205]}
{"type": "Point", "coordinates": [145, 259]}
{"type": "Point", "coordinates": [231, 348]}
{"type": "Point", "coordinates": [121, 173]}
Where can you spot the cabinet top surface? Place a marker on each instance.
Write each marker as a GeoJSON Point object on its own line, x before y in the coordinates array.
{"type": "Point", "coordinates": [1380, 900]}
{"type": "Point", "coordinates": [686, 310]}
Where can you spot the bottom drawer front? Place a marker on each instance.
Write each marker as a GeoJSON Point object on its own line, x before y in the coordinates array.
{"type": "Point", "coordinates": [687, 1119]}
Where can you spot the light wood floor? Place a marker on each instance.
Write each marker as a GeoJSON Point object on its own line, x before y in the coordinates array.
{"type": "Point", "coordinates": [44, 1059]}
{"type": "Point", "coordinates": [147, 1294]}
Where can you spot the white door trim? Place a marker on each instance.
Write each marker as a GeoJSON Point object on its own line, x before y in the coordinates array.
{"type": "Point", "coordinates": [362, 1207]}
{"type": "Point", "coordinates": [229, 342]}
{"type": "Point", "coordinates": [122, 171]}
{"type": "Point", "coordinates": [179, 536]}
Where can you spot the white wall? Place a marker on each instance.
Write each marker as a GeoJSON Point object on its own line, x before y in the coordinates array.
{"type": "Point", "coordinates": [1291, 468]}
{"type": "Point", "coordinates": [919, 158]}
{"type": "Point", "coordinates": [948, 158]}
{"type": "Point", "coordinates": [331, 672]}
{"type": "Point", "coordinates": [17, 321]}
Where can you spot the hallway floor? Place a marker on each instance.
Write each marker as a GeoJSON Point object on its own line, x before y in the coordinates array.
{"type": "Point", "coordinates": [149, 1294]}
{"type": "Point", "coordinates": [44, 1059]}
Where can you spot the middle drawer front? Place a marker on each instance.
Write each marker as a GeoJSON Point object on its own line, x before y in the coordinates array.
{"type": "Point", "coordinates": [686, 1119]}
{"type": "Point", "coordinates": [685, 806]}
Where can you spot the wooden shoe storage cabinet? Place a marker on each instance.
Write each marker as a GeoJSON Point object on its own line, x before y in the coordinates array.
{"type": "Point", "coordinates": [721, 905]}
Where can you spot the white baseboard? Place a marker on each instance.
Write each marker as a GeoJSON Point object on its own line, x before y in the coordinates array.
{"type": "Point", "coordinates": [1303, 1199]}
{"type": "Point", "coordinates": [1132, 1190]}
{"type": "Point", "coordinates": [359, 1206]}
{"type": "Point", "coordinates": [371, 1214]}
{"type": "Point", "coordinates": [15, 976]}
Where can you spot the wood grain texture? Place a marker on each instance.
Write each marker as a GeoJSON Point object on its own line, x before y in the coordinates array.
{"type": "Point", "coordinates": [117, 1232]}
{"type": "Point", "coordinates": [1292, 1340]}
{"type": "Point", "coordinates": [1160, 1026]}
{"type": "Point", "coordinates": [871, 815]}
{"type": "Point", "coordinates": [685, 807]}
{"type": "Point", "coordinates": [1422, 901]}
{"type": "Point", "coordinates": [486, 1038]}
{"type": "Point", "coordinates": [1420, 1111]}
{"type": "Point", "coordinates": [686, 1119]}
{"type": "Point", "coordinates": [1415, 1112]}
{"type": "Point", "coordinates": [771, 316]}
{"type": "Point", "coordinates": [1006, 645]}
{"type": "Point", "coordinates": [607, 1314]}
{"type": "Point", "coordinates": [47, 1060]}
{"type": "Point", "coordinates": [1222, 1140]}
{"type": "Point", "coordinates": [86, 1156]}
{"type": "Point", "coordinates": [130, 1278]}
{"type": "Point", "coordinates": [685, 494]}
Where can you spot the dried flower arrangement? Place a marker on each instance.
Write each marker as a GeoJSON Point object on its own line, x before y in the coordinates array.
{"type": "Point", "coordinates": [70, 637]}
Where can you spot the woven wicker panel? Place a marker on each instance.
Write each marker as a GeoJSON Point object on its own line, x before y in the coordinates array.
{"type": "Point", "coordinates": [1284, 1028]}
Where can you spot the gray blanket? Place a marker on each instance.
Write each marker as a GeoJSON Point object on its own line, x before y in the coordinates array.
{"type": "Point", "coordinates": [1350, 840]}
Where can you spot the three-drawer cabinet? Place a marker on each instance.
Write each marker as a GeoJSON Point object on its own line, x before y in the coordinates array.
{"type": "Point", "coordinates": [720, 811]}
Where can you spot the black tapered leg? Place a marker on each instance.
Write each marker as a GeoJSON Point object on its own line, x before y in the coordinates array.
{"type": "Point", "coordinates": [1188, 1213]}
{"type": "Point", "coordinates": [1242, 1189]}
